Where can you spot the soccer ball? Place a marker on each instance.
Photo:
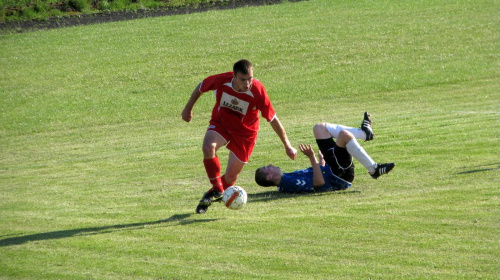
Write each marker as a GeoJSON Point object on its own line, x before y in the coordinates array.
{"type": "Point", "coordinates": [234, 197]}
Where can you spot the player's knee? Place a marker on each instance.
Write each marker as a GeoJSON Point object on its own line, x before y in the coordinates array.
{"type": "Point", "coordinates": [345, 135]}
{"type": "Point", "coordinates": [208, 151]}
{"type": "Point", "coordinates": [319, 128]}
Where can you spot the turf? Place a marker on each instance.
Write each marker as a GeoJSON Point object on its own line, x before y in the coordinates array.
{"type": "Point", "coordinates": [99, 176]}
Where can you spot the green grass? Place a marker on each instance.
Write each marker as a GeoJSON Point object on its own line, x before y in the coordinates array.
{"type": "Point", "coordinates": [99, 176]}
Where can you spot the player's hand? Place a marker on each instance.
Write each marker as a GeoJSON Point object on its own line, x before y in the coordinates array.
{"type": "Point", "coordinates": [291, 152]}
{"type": "Point", "coordinates": [187, 115]}
{"type": "Point", "coordinates": [306, 150]}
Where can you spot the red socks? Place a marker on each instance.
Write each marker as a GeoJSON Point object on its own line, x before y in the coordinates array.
{"type": "Point", "coordinates": [225, 184]}
{"type": "Point", "coordinates": [212, 166]}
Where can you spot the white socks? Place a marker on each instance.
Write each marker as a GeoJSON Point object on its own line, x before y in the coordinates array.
{"type": "Point", "coordinates": [360, 154]}
{"type": "Point", "coordinates": [335, 129]}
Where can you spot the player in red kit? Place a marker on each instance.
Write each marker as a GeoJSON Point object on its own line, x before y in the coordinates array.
{"type": "Point", "coordinates": [234, 123]}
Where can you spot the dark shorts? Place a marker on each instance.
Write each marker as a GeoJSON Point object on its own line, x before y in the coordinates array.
{"type": "Point", "coordinates": [339, 160]}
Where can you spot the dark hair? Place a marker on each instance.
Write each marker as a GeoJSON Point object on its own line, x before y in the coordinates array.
{"type": "Point", "coordinates": [260, 178]}
{"type": "Point", "coordinates": [242, 66]}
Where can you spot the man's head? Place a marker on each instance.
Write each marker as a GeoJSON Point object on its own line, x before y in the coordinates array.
{"type": "Point", "coordinates": [243, 75]}
{"type": "Point", "coordinates": [268, 176]}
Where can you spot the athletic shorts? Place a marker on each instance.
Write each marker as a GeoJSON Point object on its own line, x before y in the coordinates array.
{"type": "Point", "coordinates": [339, 160]}
{"type": "Point", "coordinates": [241, 146]}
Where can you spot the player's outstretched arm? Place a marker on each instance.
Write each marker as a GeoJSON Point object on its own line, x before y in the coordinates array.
{"type": "Point", "coordinates": [291, 152]}
{"type": "Point", "coordinates": [187, 113]}
{"type": "Point", "coordinates": [318, 179]}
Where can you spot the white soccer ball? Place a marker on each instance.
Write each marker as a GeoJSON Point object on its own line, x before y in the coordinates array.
{"type": "Point", "coordinates": [234, 197]}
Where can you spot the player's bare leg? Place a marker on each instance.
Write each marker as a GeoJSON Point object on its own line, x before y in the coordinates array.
{"type": "Point", "coordinates": [233, 170]}
{"type": "Point", "coordinates": [211, 143]}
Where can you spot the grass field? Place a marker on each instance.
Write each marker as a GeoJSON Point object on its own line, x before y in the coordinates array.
{"type": "Point", "coordinates": [99, 176]}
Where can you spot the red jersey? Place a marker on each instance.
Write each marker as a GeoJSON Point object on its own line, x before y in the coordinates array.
{"type": "Point", "coordinates": [238, 112]}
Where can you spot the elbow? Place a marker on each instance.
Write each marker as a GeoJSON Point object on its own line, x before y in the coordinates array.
{"type": "Point", "coordinates": [318, 183]}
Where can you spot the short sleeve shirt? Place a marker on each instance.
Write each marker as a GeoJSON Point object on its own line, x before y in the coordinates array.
{"type": "Point", "coordinates": [238, 112]}
{"type": "Point", "coordinates": [302, 181]}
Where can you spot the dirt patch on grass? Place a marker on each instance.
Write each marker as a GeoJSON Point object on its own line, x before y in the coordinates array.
{"type": "Point", "coordinates": [96, 18]}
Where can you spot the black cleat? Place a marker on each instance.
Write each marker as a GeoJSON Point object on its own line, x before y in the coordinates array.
{"type": "Point", "coordinates": [217, 197]}
{"type": "Point", "coordinates": [201, 209]}
{"type": "Point", "coordinates": [366, 126]}
{"type": "Point", "coordinates": [207, 199]}
{"type": "Point", "coordinates": [382, 169]}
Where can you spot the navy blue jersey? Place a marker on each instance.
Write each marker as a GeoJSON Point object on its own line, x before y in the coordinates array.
{"type": "Point", "coordinates": [302, 181]}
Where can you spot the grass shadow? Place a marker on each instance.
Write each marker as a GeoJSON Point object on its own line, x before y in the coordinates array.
{"type": "Point", "coordinates": [273, 195]}
{"type": "Point", "coordinates": [178, 218]}
{"type": "Point", "coordinates": [481, 168]}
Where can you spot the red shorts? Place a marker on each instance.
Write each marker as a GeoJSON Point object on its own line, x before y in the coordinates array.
{"type": "Point", "coordinates": [241, 146]}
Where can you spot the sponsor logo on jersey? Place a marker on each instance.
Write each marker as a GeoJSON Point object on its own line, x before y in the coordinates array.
{"type": "Point", "coordinates": [233, 103]}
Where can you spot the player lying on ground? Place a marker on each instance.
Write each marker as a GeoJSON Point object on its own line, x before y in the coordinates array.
{"type": "Point", "coordinates": [338, 172]}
